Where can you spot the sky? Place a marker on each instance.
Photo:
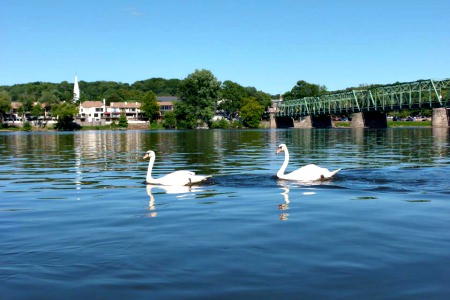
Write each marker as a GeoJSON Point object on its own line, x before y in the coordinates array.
{"type": "Point", "coordinates": [269, 45]}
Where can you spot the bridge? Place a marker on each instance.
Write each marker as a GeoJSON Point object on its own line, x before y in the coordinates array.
{"type": "Point", "coordinates": [367, 106]}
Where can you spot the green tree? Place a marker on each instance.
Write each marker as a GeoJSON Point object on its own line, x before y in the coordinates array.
{"type": "Point", "coordinates": [222, 124]}
{"type": "Point", "coordinates": [37, 110]}
{"type": "Point", "coordinates": [159, 86]}
{"type": "Point", "coordinates": [27, 126]}
{"type": "Point", "coordinates": [123, 122]}
{"type": "Point", "coordinates": [21, 112]}
{"type": "Point", "coordinates": [65, 112]}
{"type": "Point", "coordinates": [169, 120]}
{"type": "Point", "coordinates": [5, 104]}
{"type": "Point", "coordinates": [251, 112]}
{"type": "Point", "coordinates": [199, 93]}
{"type": "Point", "coordinates": [263, 98]}
{"type": "Point", "coordinates": [233, 97]}
{"type": "Point", "coordinates": [232, 94]}
{"type": "Point", "coordinates": [27, 105]}
{"type": "Point", "coordinates": [49, 98]}
{"type": "Point", "coordinates": [149, 106]}
{"type": "Point", "coordinates": [304, 89]}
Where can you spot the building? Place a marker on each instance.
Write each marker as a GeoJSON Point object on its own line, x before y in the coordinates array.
{"type": "Point", "coordinates": [16, 115]}
{"type": "Point", "coordinates": [15, 106]}
{"type": "Point", "coordinates": [97, 111]}
{"type": "Point", "coordinates": [132, 110]}
{"type": "Point", "coordinates": [90, 111]}
{"type": "Point", "coordinates": [166, 103]}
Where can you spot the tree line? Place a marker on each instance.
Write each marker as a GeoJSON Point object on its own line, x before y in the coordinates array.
{"type": "Point", "coordinates": [201, 96]}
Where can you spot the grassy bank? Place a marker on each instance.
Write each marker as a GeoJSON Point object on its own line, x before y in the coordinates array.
{"type": "Point", "coordinates": [341, 124]}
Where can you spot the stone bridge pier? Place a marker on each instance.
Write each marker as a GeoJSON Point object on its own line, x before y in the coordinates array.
{"type": "Point", "coordinates": [440, 117]}
{"type": "Point", "coordinates": [371, 119]}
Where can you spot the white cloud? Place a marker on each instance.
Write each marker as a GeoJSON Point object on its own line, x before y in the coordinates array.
{"type": "Point", "coordinates": [134, 12]}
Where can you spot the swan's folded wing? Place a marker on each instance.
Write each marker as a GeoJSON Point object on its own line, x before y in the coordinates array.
{"type": "Point", "coordinates": [311, 172]}
{"type": "Point", "coordinates": [176, 178]}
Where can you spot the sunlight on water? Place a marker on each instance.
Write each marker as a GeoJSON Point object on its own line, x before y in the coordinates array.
{"type": "Point", "coordinates": [77, 219]}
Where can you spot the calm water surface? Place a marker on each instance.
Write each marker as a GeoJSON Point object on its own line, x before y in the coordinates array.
{"type": "Point", "coordinates": [77, 222]}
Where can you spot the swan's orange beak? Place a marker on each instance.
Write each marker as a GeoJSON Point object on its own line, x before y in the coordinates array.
{"type": "Point", "coordinates": [145, 156]}
{"type": "Point", "coordinates": [279, 150]}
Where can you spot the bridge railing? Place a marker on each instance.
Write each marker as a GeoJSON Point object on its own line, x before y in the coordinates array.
{"type": "Point", "coordinates": [422, 93]}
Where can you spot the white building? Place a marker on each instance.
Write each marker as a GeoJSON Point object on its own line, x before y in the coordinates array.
{"type": "Point", "coordinates": [132, 110]}
{"type": "Point", "coordinates": [90, 111]}
{"type": "Point", "coordinates": [97, 111]}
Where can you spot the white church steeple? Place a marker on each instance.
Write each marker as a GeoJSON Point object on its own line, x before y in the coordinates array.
{"type": "Point", "coordinates": [76, 90]}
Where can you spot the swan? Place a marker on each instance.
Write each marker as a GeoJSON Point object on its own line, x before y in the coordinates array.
{"type": "Point", "coordinates": [177, 178]}
{"type": "Point", "coordinates": [309, 172]}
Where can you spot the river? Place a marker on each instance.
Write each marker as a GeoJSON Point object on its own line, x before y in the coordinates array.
{"type": "Point", "coordinates": [77, 221]}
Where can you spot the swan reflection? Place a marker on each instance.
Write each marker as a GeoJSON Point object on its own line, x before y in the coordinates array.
{"type": "Point", "coordinates": [284, 206]}
{"type": "Point", "coordinates": [180, 191]}
{"type": "Point", "coordinates": [286, 187]}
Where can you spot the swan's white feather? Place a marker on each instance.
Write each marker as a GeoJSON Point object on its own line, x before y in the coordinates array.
{"type": "Point", "coordinates": [309, 172]}
{"type": "Point", "coordinates": [177, 178]}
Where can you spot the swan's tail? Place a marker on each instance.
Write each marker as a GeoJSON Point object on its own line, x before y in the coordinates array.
{"type": "Point", "coordinates": [331, 174]}
{"type": "Point", "coordinates": [197, 178]}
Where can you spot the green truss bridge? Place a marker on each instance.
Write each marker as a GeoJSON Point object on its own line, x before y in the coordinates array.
{"type": "Point", "coordinates": [368, 106]}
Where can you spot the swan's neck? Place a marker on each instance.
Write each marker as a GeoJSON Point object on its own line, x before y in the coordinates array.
{"type": "Point", "coordinates": [285, 163]}
{"type": "Point", "coordinates": [149, 170]}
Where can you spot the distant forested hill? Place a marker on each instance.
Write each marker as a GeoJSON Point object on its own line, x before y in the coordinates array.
{"type": "Point", "coordinates": [97, 90]}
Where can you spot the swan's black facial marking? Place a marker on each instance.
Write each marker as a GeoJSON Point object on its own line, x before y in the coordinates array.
{"type": "Point", "coordinates": [148, 154]}
{"type": "Point", "coordinates": [280, 149]}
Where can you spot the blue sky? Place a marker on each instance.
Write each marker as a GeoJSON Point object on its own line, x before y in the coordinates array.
{"type": "Point", "coordinates": [269, 45]}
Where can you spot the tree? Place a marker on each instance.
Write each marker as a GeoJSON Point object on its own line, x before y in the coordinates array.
{"type": "Point", "coordinates": [5, 103]}
{"type": "Point", "coordinates": [27, 126]}
{"type": "Point", "coordinates": [199, 93]}
{"type": "Point", "coordinates": [37, 110]}
{"type": "Point", "coordinates": [123, 122]}
{"type": "Point", "coordinates": [65, 112]}
{"type": "Point", "coordinates": [149, 106]}
{"type": "Point", "coordinates": [251, 112]}
{"type": "Point", "coordinates": [49, 97]}
{"type": "Point", "coordinates": [304, 89]}
{"type": "Point", "coordinates": [159, 86]}
{"type": "Point", "coordinates": [27, 105]}
{"type": "Point", "coordinates": [169, 120]}
{"type": "Point", "coordinates": [21, 112]}
{"type": "Point", "coordinates": [232, 94]}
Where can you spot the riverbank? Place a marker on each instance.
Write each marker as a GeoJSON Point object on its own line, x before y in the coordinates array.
{"type": "Point", "coordinates": [17, 126]}
{"type": "Point", "coordinates": [341, 124]}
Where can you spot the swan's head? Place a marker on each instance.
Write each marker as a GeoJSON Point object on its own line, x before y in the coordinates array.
{"type": "Point", "coordinates": [148, 154]}
{"type": "Point", "coordinates": [281, 148]}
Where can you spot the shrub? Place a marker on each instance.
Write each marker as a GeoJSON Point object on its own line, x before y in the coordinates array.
{"type": "Point", "coordinates": [27, 126]}
{"type": "Point", "coordinates": [220, 124]}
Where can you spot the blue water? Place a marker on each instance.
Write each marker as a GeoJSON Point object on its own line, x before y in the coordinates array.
{"type": "Point", "coordinates": [77, 222]}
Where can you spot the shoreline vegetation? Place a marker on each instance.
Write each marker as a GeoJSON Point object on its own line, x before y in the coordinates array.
{"type": "Point", "coordinates": [196, 101]}
{"type": "Point", "coordinates": [18, 126]}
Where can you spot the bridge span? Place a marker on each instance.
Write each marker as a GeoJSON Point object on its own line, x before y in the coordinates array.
{"type": "Point", "coordinates": [367, 107]}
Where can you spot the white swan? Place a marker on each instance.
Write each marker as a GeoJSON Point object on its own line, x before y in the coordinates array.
{"type": "Point", "coordinates": [177, 178]}
{"type": "Point", "coordinates": [309, 172]}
